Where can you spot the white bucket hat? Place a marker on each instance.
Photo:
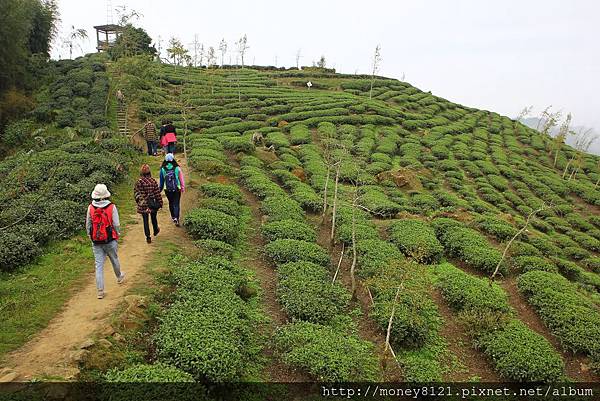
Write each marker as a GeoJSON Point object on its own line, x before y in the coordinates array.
{"type": "Point", "coordinates": [100, 192]}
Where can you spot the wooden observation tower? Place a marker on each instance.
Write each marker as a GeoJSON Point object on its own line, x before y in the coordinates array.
{"type": "Point", "coordinates": [106, 35]}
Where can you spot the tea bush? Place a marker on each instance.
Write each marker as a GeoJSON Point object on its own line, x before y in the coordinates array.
{"type": "Point", "coordinates": [211, 224]}
{"type": "Point", "coordinates": [326, 353]}
{"type": "Point", "coordinates": [224, 191]}
{"type": "Point", "coordinates": [282, 208]}
{"type": "Point", "coordinates": [374, 255]}
{"type": "Point", "coordinates": [288, 229]}
{"type": "Point", "coordinates": [305, 292]}
{"type": "Point", "coordinates": [290, 250]}
{"type": "Point", "coordinates": [570, 316]}
{"type": "Point", "coordinates": [416, 239]}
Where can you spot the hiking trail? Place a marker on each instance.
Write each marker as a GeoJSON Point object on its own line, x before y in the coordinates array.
{"type": "Point", "coordinates": [51, 352]}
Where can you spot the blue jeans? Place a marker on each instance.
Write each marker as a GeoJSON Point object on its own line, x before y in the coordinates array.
{"type": "Point", "coordinates": [174, 197]}
{"type": "Point", "coordinates": [101, 251]}
{"type": "Point", "coordinates": [171, 147]}
{"type": "Point", "coordinates": [152, 147]}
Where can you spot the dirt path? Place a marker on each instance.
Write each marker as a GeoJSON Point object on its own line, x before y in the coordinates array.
{"type": "Point", "coordinates": [50, 352]}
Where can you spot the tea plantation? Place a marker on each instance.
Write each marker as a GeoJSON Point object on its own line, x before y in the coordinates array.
{"type": "Point", "coordinates": [421, 195]}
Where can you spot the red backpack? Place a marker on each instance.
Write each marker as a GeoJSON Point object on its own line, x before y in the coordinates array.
{"type": "Point", "coordinates": [102, 229]}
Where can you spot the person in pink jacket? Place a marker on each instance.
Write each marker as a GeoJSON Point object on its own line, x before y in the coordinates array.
{"type": "Point", "coordinates": [171, 179]}
{"type": "Point", "coordinates": [168, 137]}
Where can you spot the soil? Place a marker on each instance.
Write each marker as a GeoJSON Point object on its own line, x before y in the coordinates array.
{"type": "Point", "coordinates": [51, 352]}
{"type": "Point", "coordinates": [576, 366]}
{"type": "Point", "coordinates": [275, 370]}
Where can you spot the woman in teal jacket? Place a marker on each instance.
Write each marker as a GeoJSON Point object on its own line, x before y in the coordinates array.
{"type": "Point", "coordinates": [171, 179]}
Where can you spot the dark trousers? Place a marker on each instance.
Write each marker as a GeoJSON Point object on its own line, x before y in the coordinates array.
{"type": "Point", "coordinates": [174, 197]}
{"type": "Point", "coordinates": [152, 147]}
{"type": "Point", "coordinates": [147, 226]}
{"type": "Point", "coordinates": [171, 147]}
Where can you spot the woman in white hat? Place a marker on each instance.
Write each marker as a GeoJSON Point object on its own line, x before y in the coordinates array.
{"type": "Point", "coordinates": [102, 225]}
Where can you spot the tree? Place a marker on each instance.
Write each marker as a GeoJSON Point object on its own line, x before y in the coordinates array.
{"type": "Point", "coordinates": [242, 47]}
{"type": "Point", "coordinates": [125, 16]}
{"type": "Point", "coordinates": [561, 136]}
{"type": "Point", "coordinates": [298, 55]}
{"type": "Point", "coordinates": [43, 27]}
{"type": "Point", "coordinates": [177, 51]}
{"type": "Point", "coordinates": [132, 42]}
{"type": "Point", "coordinates": [223, 50]}
{"type": "Point", "coordinates": [376, 62]}
{"type": "Point", "coordinates": [524, 113]}
{"type": "Point", "coordinates": [321, 63]}
{"type": "Point", "coordinates": [583, 140]}
{"type": "Point", "coordinates": [73, 38]}
{"type": "Point", "coordinates": [211, 58]}
{"type": "Point", "coordinates": [196, 45]}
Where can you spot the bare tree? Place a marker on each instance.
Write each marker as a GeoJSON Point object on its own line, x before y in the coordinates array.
{"type": "Point", "coordinates": [542, 116]}
{"type": "Point", "coordinates": [583, 140]}
{"type": "Point", "coordinates": [376, 63]}
{"type": "Point", "coordinates": [242, 47]}
{"type": "Point", "coordinates": [126, 16]}
{"type": "Point", "coordinates": [223, 50]}
{"type": "Point", "coordinates": [298, 55]}
{"type": "Point", "coordinates": [524, 113]}
{"type": "Point", "coordinates": [211, 58]}
{"type": "Point", "coordinates": [561, 136]}
{"type": "Point", "coordinates": [196, 46]}
{"type": "Point", "coordinates": [598, 180]}
{"type": "Point", "coordinates": [73, 38]}
{"type": "Point", "coordinates": [529, 217]}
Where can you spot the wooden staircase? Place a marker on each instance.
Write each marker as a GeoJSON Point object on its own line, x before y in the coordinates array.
{"type": "Point", "coordinates": [122, 119]}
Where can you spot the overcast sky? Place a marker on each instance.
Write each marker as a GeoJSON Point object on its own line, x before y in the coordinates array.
{"type": "Point", "coordinates": [497, 55]}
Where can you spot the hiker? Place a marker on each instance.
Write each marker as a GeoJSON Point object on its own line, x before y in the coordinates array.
{"type": "Point", "coordinates": [168, 137]}
{"type": "Point", "coordinates": [148, 200]}
{"type": "Point", "coordinates": [102, 225]}
{"type": "Point", "coordinates": [163, 124]}
{"type": "Point", "coordinates": [151, 138]}
{"type": "Point", "coordinates": [257, 138]}
{"type": "Point", "coordinates": [171, 179]}
{"type": "Point", "coordinates": [120, 97]}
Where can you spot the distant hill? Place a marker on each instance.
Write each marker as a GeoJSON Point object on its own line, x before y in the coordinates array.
{"type": "Point", "coordinates": [532, 122]}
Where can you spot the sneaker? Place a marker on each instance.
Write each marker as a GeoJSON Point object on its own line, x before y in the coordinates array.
{"type": "Point", "coordinates": [100, 294]}
{"type": "Point", "coordinates": [176, 221]}
{"type": "Point", "coordinates": [121, 278]}
{"type": "Point", "coordinates": [156, 232]}
{"type": "Point", "coordinates": [149, 240]}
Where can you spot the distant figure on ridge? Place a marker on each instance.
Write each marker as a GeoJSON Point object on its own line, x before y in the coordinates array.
{"type": "Point", "coordinates": [151, 138]}
{"type": "Point", "coordinates": [171, 179]}
{"type": "Point", "coordinates": [102, 225]}
{"type": "Point", "coordinates": [168, 137]}
{"type": "Point", "coordinates": [148, 200]}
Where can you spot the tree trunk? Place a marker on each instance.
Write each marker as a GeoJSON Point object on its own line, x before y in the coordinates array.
{"type": "Point", "coordinates": [567, 166]}
{"type": "Point", "coordinates": [353, 266]}
{"type": "Point", "coordinates": [325, 191]}
{"type": "Point", "coordinates": [335, 193]}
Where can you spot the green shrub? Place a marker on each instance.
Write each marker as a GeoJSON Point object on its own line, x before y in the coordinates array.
{"type": "Point", "coordinates": [379, 203]}
{"type": "Point", "coordinates": [373, 255]}
{"type": "Point", "coordinates": [424, 203]}
{"type": "Point", "coordinates": [527, 263]}
{"type": "Point", "coordinates": [260, 184]}
{"type": "Point", "coordinates": [211, 247]}
{"type": "Point", "coordinates": [16, 249]}
{"type": "Point", "coordinates": [592, 263]}
{"type": "Point", "coordinates": [251, 161]}
{"type": "Point", "coordinates": [496, 227]}
{"type": "Point", "coordinates": [282, 208]}
{"type": "Point", "coordinates": [520, 354]}
{"type": "Point", "coordinates": [216, 190]}
{"type": "Point", "coordinates": [226, 206]}
{"type": "Point", "coordinates": [571, 317]}
{"type": "Point", "coordinates": [238, 144]}
{"type": "Point", "coordinates": [306, 197]}
{"type": "Point", "coordinates": [211, 224]}
{"type": "Point", "coordinates": [326, 353]}
{"type": "Point", "coordinates": [290, 250]}
{"type": "Point", "coordinates": [416, 239]}
{"type": "Point", "coordinates": [299, 134]}
{"type": "Point", "coordinates": [466, 292]}
{"type": "Point", "coordinates": [306, 293]}
{"type": "Point", "coordinates": [288, 229]}
{"type": "Point", "coordinates": [157, 373]}
{"type": "Point", "coordinates": [362, 232]}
